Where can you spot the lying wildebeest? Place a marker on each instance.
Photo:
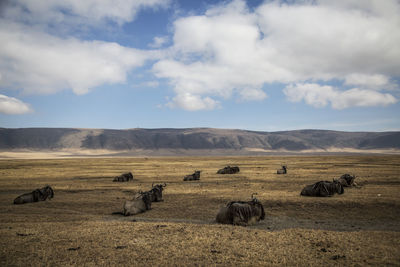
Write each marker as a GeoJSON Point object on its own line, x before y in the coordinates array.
{"type": "Point", "coordinates": [191, 177]}
{"type": "Point", "coordinates": [140, 203]}
{"type": "Point", "coordinates": [125, 177]}
{"type": "Point", "coordinates": [323, 189]}
{"type": "Point", "coordinates": [35, 196]}
{"type": "Point", "coordinates": [283, 170]}
{"type": "Point", "coordinates": [156, 192]}
{"type": "Point", "coordinates": [241, 212]}
{"type": "Point", "coordinates": [228, 170]}
{"type": "Point", "coordinates": [347, 180]}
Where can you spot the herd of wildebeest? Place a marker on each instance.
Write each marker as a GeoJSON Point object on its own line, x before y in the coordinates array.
{"type": "Point", "coordinates": [235, 212]}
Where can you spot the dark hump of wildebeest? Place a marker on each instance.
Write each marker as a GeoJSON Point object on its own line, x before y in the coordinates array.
{"type": "Point", "coordinates": [283, 170]}
{"type": "Point", "coordinates": [125, 177]}
{"type": "Point", "coordinates": [156, 192]}
{"type": "Point", "coordinates": [241, 213]}
{"type": "Point", "coordinates": [191, 177]}
{"type": "Point", "coordinates": [229, 170]}
{"type": "Point", "coordinates": [323, 189]}
{"type": "Point", "coordinates": [35, 196]}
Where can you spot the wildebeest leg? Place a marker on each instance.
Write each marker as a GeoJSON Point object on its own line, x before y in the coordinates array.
{"type": "Point", "coordinates": [239, 221]}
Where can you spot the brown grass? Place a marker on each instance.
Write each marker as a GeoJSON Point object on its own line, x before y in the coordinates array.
{"type": "Point", "coordinates": [360, 227]}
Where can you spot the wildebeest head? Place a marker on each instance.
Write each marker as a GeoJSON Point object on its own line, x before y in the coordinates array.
{"type": "Point", "coordinates": [47, 192]}
{"type": "Point", "coordinates": [146, 197]}
{"type": "Point", "coordinates": [156, 192]}
{"type": "Point", "coordinates": [258, 206]}
{"type": "Point", "coordinates": [235, 169]}
{"type": "Point", "coordinates": [347, 180]}
{"type": "Point", "coordinates": [338, 187]}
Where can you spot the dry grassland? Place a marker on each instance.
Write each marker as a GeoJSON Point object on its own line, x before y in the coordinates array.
{"type": "Point", "coordinates": [360, 227]}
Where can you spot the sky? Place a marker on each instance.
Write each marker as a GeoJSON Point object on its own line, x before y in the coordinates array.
{"type": "Point", "coordinates": [254, 65]}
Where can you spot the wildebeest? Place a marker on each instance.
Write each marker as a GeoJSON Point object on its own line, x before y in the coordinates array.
{"type": "Point", "coordinates": [140, 203]}
{"type": "Point", "coordinates": [283, 170]}
{"type": "Point", "coordinates": [323, 189]}
{"type": "Point", "coordinates": [156, 192]}
{"type": "Point", "coordinates": [347, 180]}
{"type": "Point", "coordinates": [35, 196]}
{"type": "Point", "coordinates": [229, 170]}
{"type": "Point", "coordinates": [125, 177]}
{"type": "Point", "coordinates": [241, 212]}
{"type": "Point", "coordinates": [191, 177]}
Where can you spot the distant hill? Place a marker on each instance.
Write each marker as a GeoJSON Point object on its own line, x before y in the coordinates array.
{"type": "Point", "coordinates": [195, 139]}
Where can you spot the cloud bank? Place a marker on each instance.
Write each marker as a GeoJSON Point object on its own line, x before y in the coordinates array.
{"type": "Point", "coordinates": [320, 96]}
{"type": "Point", "coordinates": [78, 13]}
{"type": "Point", "coordinates": [231, 49]}
{"type": "Point", "coordinates": [41, 63]}
{"type": "Point", "coordinates": [35, 59]}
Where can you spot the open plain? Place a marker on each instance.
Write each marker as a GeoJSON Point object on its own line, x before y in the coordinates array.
{"type": "Point", "coordinates": [77, 227]}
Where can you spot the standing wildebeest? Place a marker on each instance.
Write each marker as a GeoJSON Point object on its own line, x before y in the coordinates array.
{"type": "Point", "coordinates": [228, 170]}
{"type": "Point", "coordinates": [156, 192]}
{"type": "Point", "coordinates": [125, 177]}
{"type": "Point", "coordinates": [241, 212]}
{"type": "Point", "coordinates": [191, 177]}
{"type": "Point", "coordinates": [283, 170]}
{"type": "Point", "coordinates": [347, 180]}
{"type": "Point", "coordinates": [323, 189]}
{"type": "Point", "coordinates": [35, 196]}
{"type": "Point", "coordinates": [140, 203]}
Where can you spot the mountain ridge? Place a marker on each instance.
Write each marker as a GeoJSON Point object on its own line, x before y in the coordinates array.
{"type": "Point", "coordinates": [193, 139]}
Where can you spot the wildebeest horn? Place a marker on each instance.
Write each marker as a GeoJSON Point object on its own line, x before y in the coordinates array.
{"type": "Point", "coordinates": [252, 195]}
{"type": "Point", "coordinates": [164, 184]}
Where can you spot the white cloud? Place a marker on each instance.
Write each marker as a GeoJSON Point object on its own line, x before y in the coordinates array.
{"type": "Point", "coordinates": [362, 98]}
{"type": "Point", "coordinates": [232, 49]}
{"type": "Point", "coordinates": [11, 105]}
{"type": "Point", "coordinates": [320, 96]}
{"type": "Point", "coordinates": [75, 12]}
{"type": "Point", "coordinates": [158, 41]}
{"type": "Point", "coordinates": [313, 94]}
{"type": "Point", "coordinates": [40, 63]}
{"type": "Point", "coordinates": [223, 40]}
{"type": "Point", "coordinates": [376, 81]}
{"type": "Point", "coordinates": [153, 84]}
{"type": "Point", "coordinates": [191, 102]}
{"type": "Point", "coordinates": [252, 94]}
